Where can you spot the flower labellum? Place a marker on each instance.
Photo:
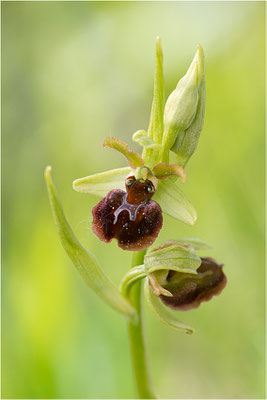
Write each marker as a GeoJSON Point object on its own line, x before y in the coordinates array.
{"type": "Point", "coordinates": [130, 217]}
{"type": "Point", "coordinates": [187, 291]}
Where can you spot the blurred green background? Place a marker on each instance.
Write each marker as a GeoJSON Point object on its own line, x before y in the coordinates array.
{"type": "Point", "coordinates": [73, 73]}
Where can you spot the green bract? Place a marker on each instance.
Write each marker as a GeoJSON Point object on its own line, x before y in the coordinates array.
{"type": "Point", "coordinates": [84, 261]}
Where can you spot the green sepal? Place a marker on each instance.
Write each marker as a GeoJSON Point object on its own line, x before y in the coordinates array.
{"type": "Point", "coordinates": [155, 128]}
{"type": "Point", "coordinates": [83, 260]}
{"type": "Point", "coordinates": [176, 257]}
{"type": "Point", "coordinates": [174, 202]}
{"type": "Point", "coordinates": [161, 312]}
{"type": "Point", "coordinates": [102, 183]}
{"type": "Point", "coordinates": [197, 244]}
{"type": "Point", "coordinates": [134, 159]}
{"type": "Point", "coordinates": [164, 171]}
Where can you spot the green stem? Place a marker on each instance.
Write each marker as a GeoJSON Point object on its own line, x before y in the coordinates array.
{"type": "Point", "coordinates": [136, 336]}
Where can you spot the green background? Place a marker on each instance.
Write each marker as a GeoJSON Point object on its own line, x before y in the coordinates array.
{"type": "Point", "coordinates": [74, 73]}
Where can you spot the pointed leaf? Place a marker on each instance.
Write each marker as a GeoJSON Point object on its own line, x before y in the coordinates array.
{"type": "Point", "coordinates": [164, 171]}
{"type": "Point", "coordinates": [162, 313]}
{"type": "Point", "coordinates": [134, 159]}
{"type": "Point", "coordinates": [102, 183]}
{"type": "Point", "coordinates": [84, 261]}
{"type": "Point", "coordinates": [174, 202]}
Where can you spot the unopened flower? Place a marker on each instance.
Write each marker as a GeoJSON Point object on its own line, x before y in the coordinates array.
{"type": "Point", "coordinates": [184, 112]}
{"type": "Point", "coordinates": [184, 289]}
{"type": "Point", "coordinates": [189, 291]}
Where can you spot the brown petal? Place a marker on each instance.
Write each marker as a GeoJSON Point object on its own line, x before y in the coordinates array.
{"type": "Point", "coordinates": [190, 290]}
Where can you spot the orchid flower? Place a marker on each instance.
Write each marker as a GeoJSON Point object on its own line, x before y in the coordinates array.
{"type": "Point", "coordinates": [134, 199]}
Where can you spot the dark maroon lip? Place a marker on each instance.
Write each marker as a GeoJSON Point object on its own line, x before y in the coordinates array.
{"type": "Point", "coordinates": [189, 290]}
{"type": "Point", "coordinates": [134, 225]}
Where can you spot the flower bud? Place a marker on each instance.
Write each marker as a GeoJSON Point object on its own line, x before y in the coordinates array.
{"type": "Point", "coordinates": [184, 112]}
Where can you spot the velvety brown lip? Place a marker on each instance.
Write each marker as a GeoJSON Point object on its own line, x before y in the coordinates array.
{"type": "Point", "coordinates": [131, 218]}
{"type": "Point", "coordinates": [189, 290]}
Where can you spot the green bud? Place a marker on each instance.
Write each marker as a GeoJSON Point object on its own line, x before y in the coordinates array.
{"type": "Point", "coordinates": [184, 112]}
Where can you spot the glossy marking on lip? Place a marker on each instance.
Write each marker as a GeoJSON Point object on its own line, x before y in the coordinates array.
{"type": "Point", "coordinates": [131, 208]}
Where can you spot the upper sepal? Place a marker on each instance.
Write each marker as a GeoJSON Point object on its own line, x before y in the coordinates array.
{"type": "Point", "coordinates": [171, 255]}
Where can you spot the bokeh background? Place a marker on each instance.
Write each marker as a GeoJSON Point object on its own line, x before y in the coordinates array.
{"type": "Point", "coordinates": [73, 73]}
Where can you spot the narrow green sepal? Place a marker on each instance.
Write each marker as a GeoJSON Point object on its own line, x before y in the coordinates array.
{"type": "Point", "coordinates": [174, 202]}
{"type": "Point", "coordinates": [134, 159]}
{"type": "Point", "coordinates": [155, 128]}
{"type": "Point", "coordinates": [176, 257]}
{"type": "Point", "coordinates": [102, 183]}
{"type": "Point", "coordinates": [197, 244]}
{"type": "Point", "coordinates": [161, 312]}
{"type": "Point", "coordinates": [83, 260]}
{"type": "Point", "coordinates": [164, 171]}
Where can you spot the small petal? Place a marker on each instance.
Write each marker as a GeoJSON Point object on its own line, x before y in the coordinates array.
{"type": "Point", "coordinates": [190, 290]}
{"type": "Point", "coordinates": [164, 171]}
{"type": "Point", "coordinates": [174, 202]}
{"type": "Point", "coordinates": [102, 183]}
{"type": "Point", "coordinates": [133, 158]}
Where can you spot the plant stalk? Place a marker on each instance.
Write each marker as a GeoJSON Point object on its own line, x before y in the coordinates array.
{"type": "Point", "coordinates": [136, 337]}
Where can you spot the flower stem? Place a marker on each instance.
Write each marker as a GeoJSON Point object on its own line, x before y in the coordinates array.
{"type": "Point", "coordinates": [136, 336]}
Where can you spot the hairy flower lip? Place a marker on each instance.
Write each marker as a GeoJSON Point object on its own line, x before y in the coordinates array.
{"type": "Point", "coordinates": [189, 291]}
{"type": "Point", "coordinates": [132, 234]}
